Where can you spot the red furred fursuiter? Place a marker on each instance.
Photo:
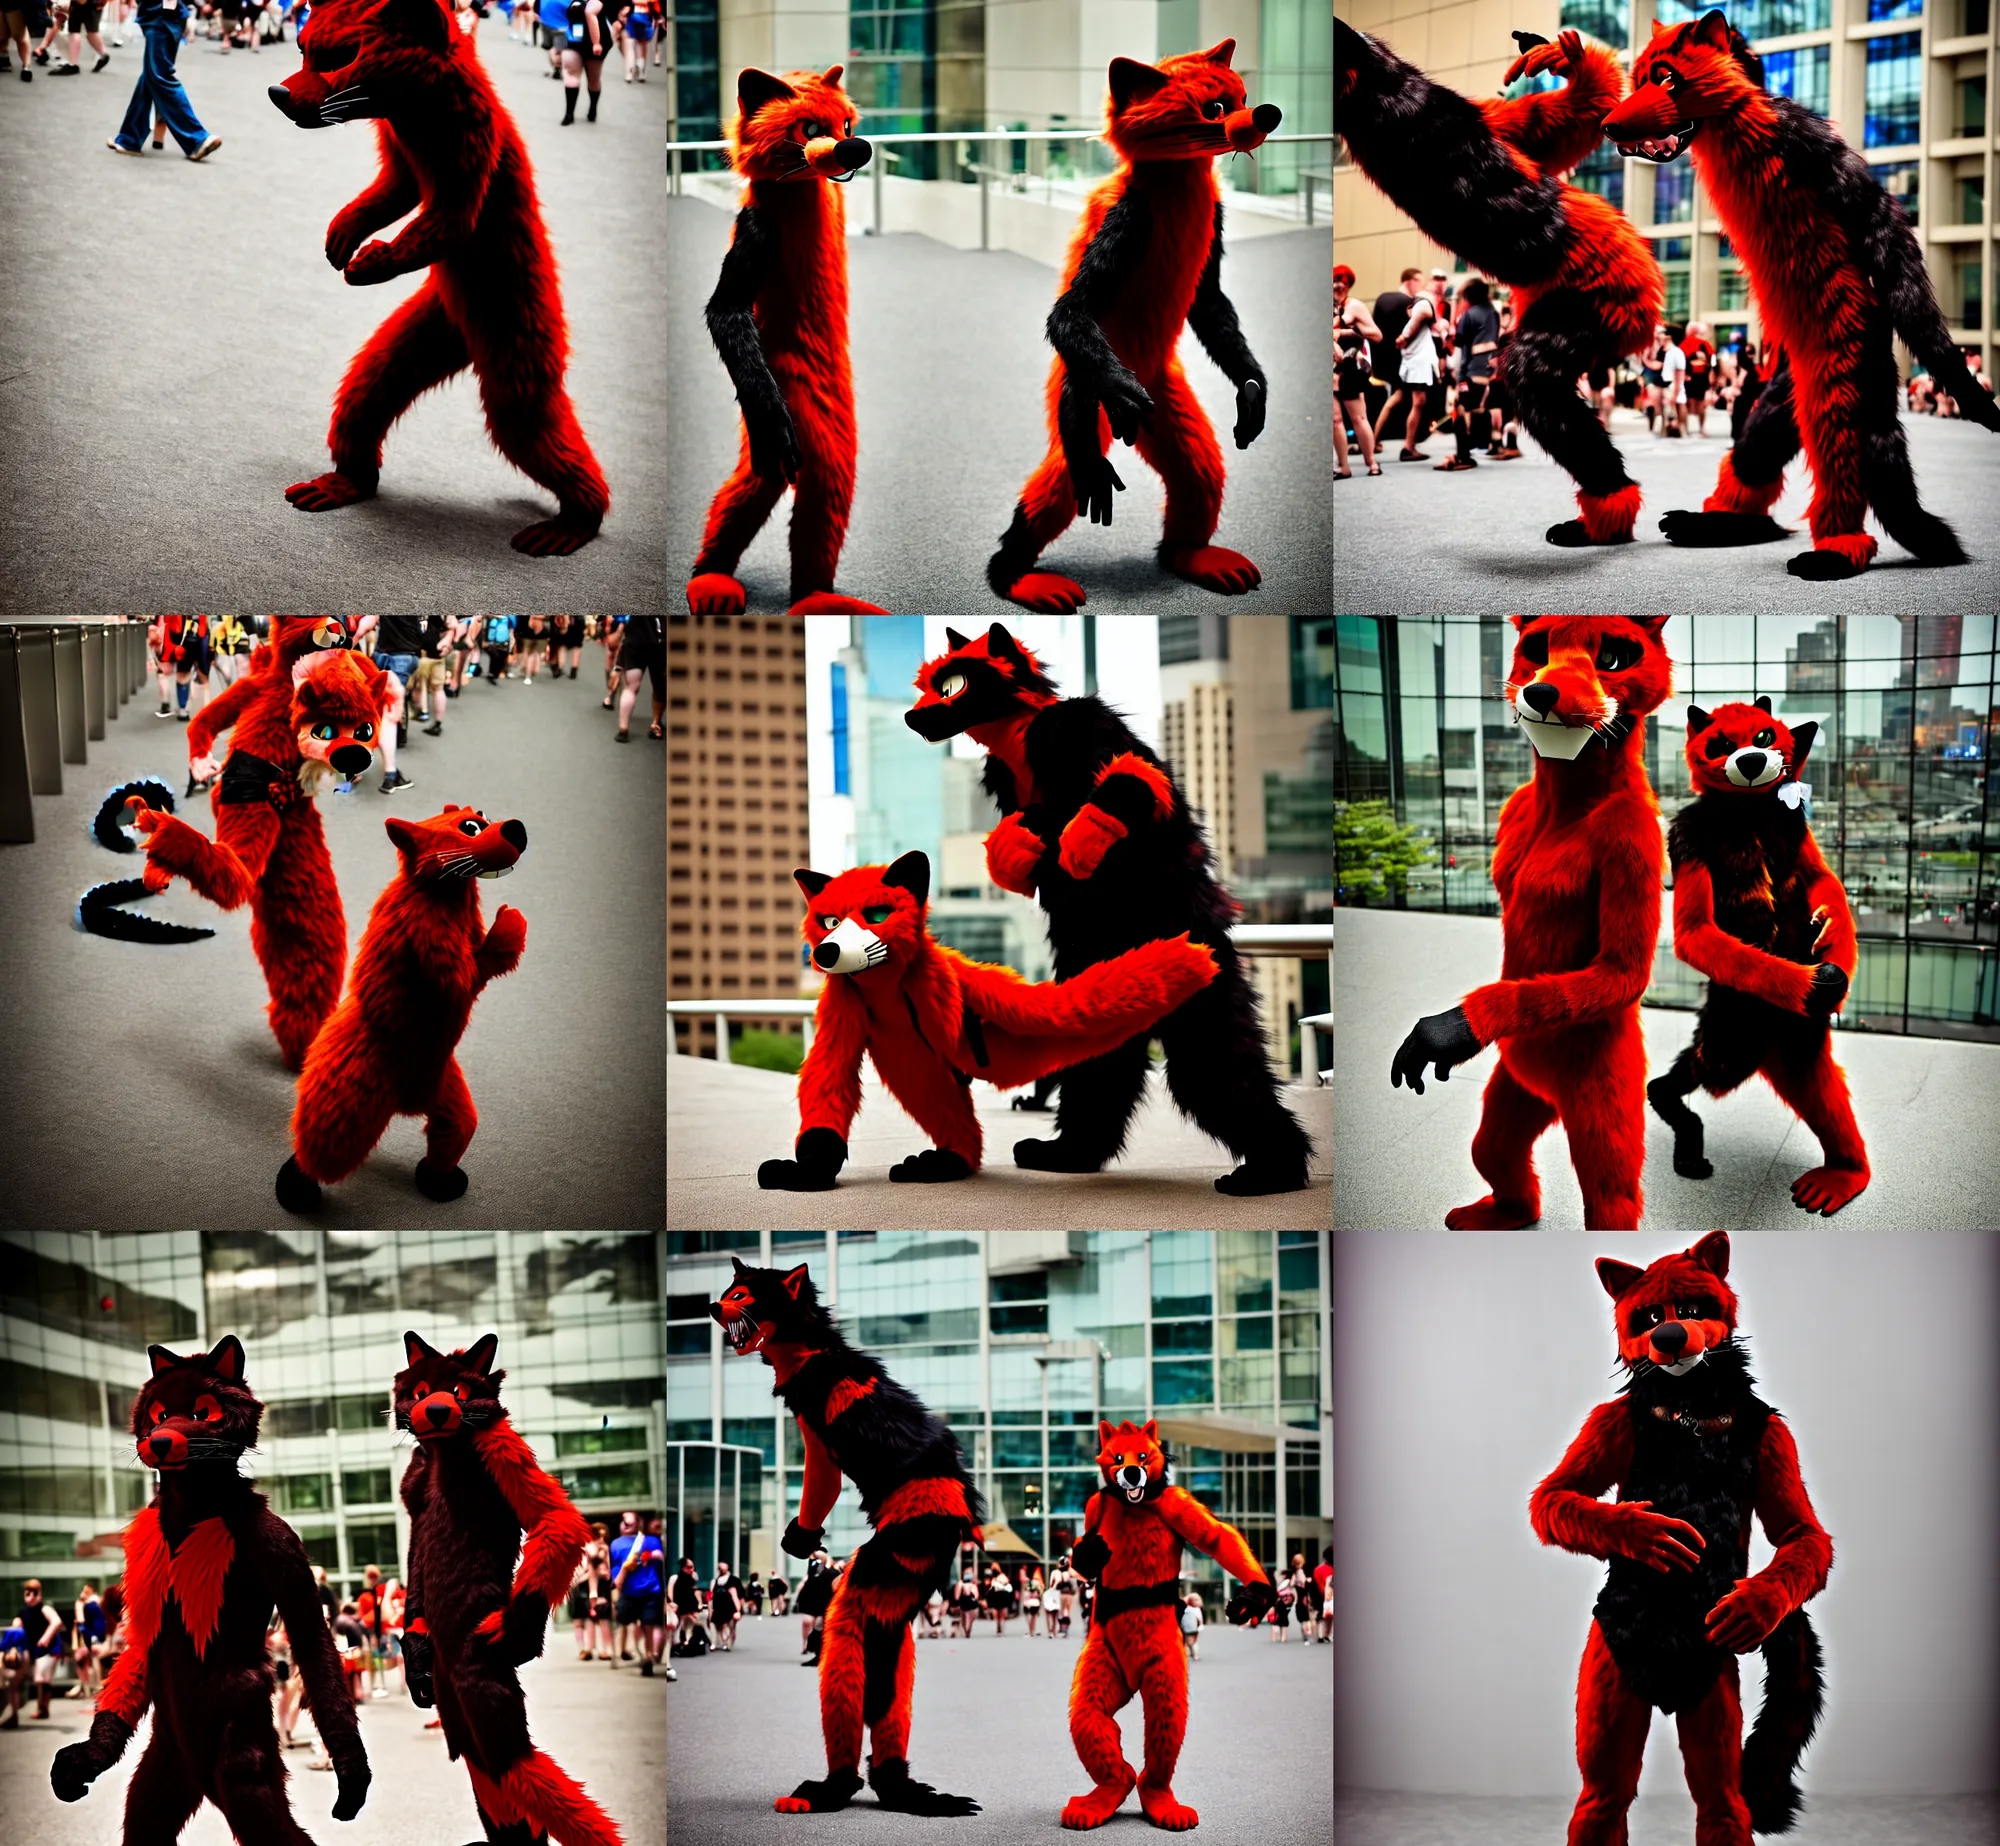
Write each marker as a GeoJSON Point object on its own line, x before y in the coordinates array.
{"type": "Point", "coordinates": [205, 1563]}
{"type": "Point", "coordinates": [476, 1500]}
{"type": "Point", "coordinates": [1760, 912]}
{"type": "Point", "coordinates": [856, 1420]}
{"type": "Point", "coordinates": [932, 1020]}
{"type": "Point", "coordinates": [1693, 1453]}
{"type": "Point", "coordinates": [1578, 869]}
{"type": "Point", "coordinates": [425, 956]}
{"type": "Point", "coordinates": [1483, 179]}
{"type": "Point", "coordinates": [449, 152]}
{"type": "Point", "coordinates": [304, 709]}
{"type": "Point", "coordinates": [1134, 1529]}
{"type": "Point", "coordinates": [1837, 274]}
{"type": "Point", "coordinates": [778, 318]}
{"type": "Point", "coordinates": [1095, 827]}
{"type": "Point", "coordinates": [1145, 262]}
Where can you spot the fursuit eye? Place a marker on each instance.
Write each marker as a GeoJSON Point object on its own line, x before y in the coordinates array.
{"type": "Point", "coordinates": [1215, 108]}
{"type": "Point", "coordinates": [363, 732]}
{"type": "Point", "coordinates": [829, 922]}
{"type": "Point", "coordinates": [1535, 649]}
{"type": "Point", "coordinates": [1765, 738]}
{"type": "Point", "coordinates": [1615, 655]}
{"type": "Point", "coordinates": [812, 131]}
{"type": "Point", "coordinates": [325, 733]}
{"type": "Point", "coordinates": [460, 1394]}
{"type": "Point", "coordinates": [208, 1410]}
{"type": "Point", "coordinates": [951, 685]}
{"type": "Point", "coordinates": [159, 1415]}
{"type": "Point", "coordinates": [1717, 747]}
{"type": "Point", "coordinates": [420, 1389]}
{"type": "Point", "coordinates": [470, 828]}
{"type": "Point", "coordinates": [878, 913]}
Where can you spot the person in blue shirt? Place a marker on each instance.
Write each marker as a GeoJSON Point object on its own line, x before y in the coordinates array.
{"type": "Point", "coordinates": [496, 636]}
{"type": "Point", "coordinates": [164, 23]}
{"type": "Point", "coordinates": [636, 1562]}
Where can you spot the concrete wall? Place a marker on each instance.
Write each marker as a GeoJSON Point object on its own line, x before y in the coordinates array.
{"type": "Point", "coordinates": [780, 35]}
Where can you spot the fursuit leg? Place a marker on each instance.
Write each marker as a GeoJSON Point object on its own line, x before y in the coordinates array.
{"type": "Point", "coordinates": [250, 1778]}
{"type": "Point", "coordinates": [1885, 464]}
{"type": "Point", "coordinates": [1604, 1113]}
{"type": "Point", "coordinates": [1181, 448]}
{"type": "Point", "coordinates": [1097, 1690]}
{"type": "Point", "coordinates": [1219, 1077]}
{"type": "Point", "coordinates": [1665, 1094]}
{"type": "Point", "coordinates": [519, 1791]}
{"type": "Point", "coordinates": [1163, 1687]}
{"type": "Point", "coordinates": [842, 1695]}
{"type": "Point", "coordinates": [890, 1652]}
{"type": "Point", "coordinates": [1043, 513]}
{"type": "Point", "coordinates": [1504, 1152]}
{"type": "Point", "coordinates": [533, 423]}
{"type": "Point", "coordinates": [1558, 340]}
{"type": "Point", "coordinates": [1751, 478]}
{"type": "Point", "coordinates": [1093, 1113]}
{"type": "Point", "coordinates": [821, 505]}
{"type": "Point", "coordinates": [162, 1796]}
{"type": "Point", "coordinates": [1830, 393]}
{"type": "Point", "coordinates": [1711, 1736]}
{"type": "Point", "coordinates": [299, 934]}
{"type": "Point", "coordinates": [735, 516]}
{"type": "Point", "coordinates": [448, 1129]}
{"type": "Point", "coordinates": [1611, 1727]}
{"type": "Point", "coordinates": [1814, 1087]}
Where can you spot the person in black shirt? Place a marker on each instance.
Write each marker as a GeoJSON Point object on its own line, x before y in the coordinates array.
{"type": "Point", "coordinates": [643, 653]}
{"type": "Point", "coordinates": [428, 682]}
{"type": "Point", "coordinates": [399, 642]}
{"type": "Point", "coordinates": [1476, 338]}
{"type": "Point", "coordinates": [1392, 315]}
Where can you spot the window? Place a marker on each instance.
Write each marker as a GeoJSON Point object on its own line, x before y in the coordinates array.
{"type": "Point", "coordinates": [1312, 662]}
{"type": "Point", "coordinates": [1972, 199]}
{"type": "Point", "coordinates": [302, 1493]}
{"type": "Point", "coordinates": [1019, 1304]}
{"type": "Point", "coordinates": [1756, 19]}
{"type": "Point", "coordinates": [1298, 1269]}
{"type": "Point", "coordinates": [1803, 75]}
{"type": "Point", "coordinates": [1603, 172]}
{"type": "Point", "coordinates": [1968, 294]}
{"type": "Point", "coordinates": [1181, 1283]}
{"type": "Point", "coordinates": [1184, 1336]}
{"type": "Point", "coordinates": [840, 785]}
{"type": "Point", "coordinates": [617, 1441]}
{"type": "Point", "coordinates": [365, 1486]}
{"type": "Point", "coordinates": [372, 1543]}
{"type": "Point", "coordinates": [1894, 89]}
{"type": "Point", "coordinates": [1183, 1381]}
{"type": "Point", "coordinates": [1972, 106]}
{"type": "Point", "coordinates": [1673, 193]}
{"type": "Point", "coordinates": [1895, 9]}
{"type": "Point", "coordinates": [1899, 179]}
{"type": "Point", "coordinates": [1603, 20]}
{"type": "Point", "coordinates": [1243, 1271]}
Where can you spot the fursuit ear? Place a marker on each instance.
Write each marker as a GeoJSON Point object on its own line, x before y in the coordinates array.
{"type": "Point", "coordinates": [480, 1353]}
{"type": "Point", "coordinates": [415, 1349]}
{"type": "Point", "coordinates": [911, 873]}
{"type": "Point", "coordinates": [1712, 29]}
{"type": "Point", "coordinates": [1762, 702]}
{"type": "Point", "coordinates": [1652, 624]}
{"type": "Point", "coordinates": [419, 22]}
{"type": "Point", "coordinates": [408, 838]}
{"type": "Point", "coordinates": [1712, 1253]}
{"type": "Point", "coordinates": [1802, 743]}
{"type": "Point", "coordinates": [225, 1358]}
{"type": "Point", "coordinates": [796, 1279]}
{"type": "Point", "coordinates": [810, 882]}
{"type": "Point", "coordinates": [755, 89]}
{"type": "Point", "coordinates": [954, 640]}
{"type": "Point", "coordinates": [1132, 82]}
{"type": "Point", "coordinates": [1151, 1431]}
{"type": "Point", "coordinates": [1698, 720]}
{"type": "Point", "coordinates": [1000, 645]}
{"type": "Point", "coordinates": [1617, 1277]}
{"type": "Point", "coordinates": [832, 74]}
{"type": "Point", "coordinates": [162, 1359]}
{"type": "Point", "coordinates": [1104, 1430]}
{"type": "Point", "coordinates": [738, 1261]}
{"type": "Point", "coordinates": [1222, 53]}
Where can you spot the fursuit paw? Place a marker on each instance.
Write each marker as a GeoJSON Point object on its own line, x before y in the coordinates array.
{"type": "Point", "coordinates": [1089, 836]}
{"type": "Point", "coordinates": [298, 1191]}
{"type": "Point", "coordinates": [1014, 856]}
{"type": "Point", "coordinates": [352, 1776]}
{"type": "Point", "coordinates": [1692, 1163]}
{"type": "Point", "coordinates": [74, 1768]}
{"type": "Point", "coordinates": [418, 1663]}
{"type": "Point", "coordinates": [1214, 567]}
{"type": "Point", "coordinates": [1700, 531]}
{"type": "Point", "coordinates": [1253, 1179]}
{"type": "Point", "coordinates": [1095, 1808]}
{"type": "Point", "coordinates": [441, 1183]}
{"type": "Point", "coordinates": [1089, 1555]}
{"type": "Point", "coordinates": [1164, 1811]}
{"type": "Point", "coordinates": [1251, 1603]}
{"type": "Point", "coordinates": [1055, 1156]}
{"type": "Point", "coordinates": [801, 1541]}
{"type": "Point", "coordinates": [821, 1154]}
{"type": "Point", "coordinates": [555, 538]}
{"type": "Point", "coordinates": [831, 602]}
{"type": "Point", "coordinates": [1826, 1189]}
{"type": "Point", "coordinates": [1491, 1214]}
{"type": "Point", "coordinates": [716, 593]}
{"type": "Point", "coordinates": [827, 1797]}
{"type": "Point", "coordinates": [1045, 590]}
{"type": "Point", "coordinates": [324, 492]}
{"type": "Point", "coordinates": [895, 1791]}
{"type": "Point", "coordinates": [1823, 566]}
{"type": "Point", "coordinates": [373, 262]}
{"type": "Point", "coordinates": [1827, 991]}
{"type": "Point", "coordinates": [1573, 535]}
{"type": "Point", "coordinates": [932, 1167]}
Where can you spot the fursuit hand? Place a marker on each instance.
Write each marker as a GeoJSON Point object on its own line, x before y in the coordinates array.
{"type": "Point", "coordinates": [418, 1661]}
{"type": "Point", "coordinates": [1654, 1540]}
{"type": "Point", "coordinates": [1087, 839]}
{"type": "Point", "coordinates": [1742, 1619]}
{"type": "Point", "coordinates": [506, 936]}
{"type": "Point", "coordinates": [774, 444]}
{"type": "Point", "coordinates": [1093, 481]}
{"type": "Point", "coordinates": [352, 1776]}
{"type": "Point", "coordinates": [1250, 396]}
{"type": "Point", "coordinates": [1125, 403]}
{"type": "Point", "coordinates": [1538, 55]}
{"type": "Point", "coordinates": [75, 1767]}
{"type": "Point", "coordinates": [1089, 1555]}
{"type": "Point", "coordinates": [801, 1541]}
{"type": "Point", "coordinates": [1828, 990]}
{"type": "Point", "coordinates": [1251, 1603]}
{"type": "Point", "coordinates": [1442, 1039]}
{"type": "Point", "coordinates": [1013, 853]}
{"type": "Point", "coordinates": [343, 238]}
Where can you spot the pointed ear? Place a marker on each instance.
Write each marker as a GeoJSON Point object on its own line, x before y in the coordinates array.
{"type": "Point", "coordinates": [832, 74]}
{"type": "Point", "coordinates": [1130, 83]}
{"type": "Point", "coordinates": [1712, 1253]}
{"type": "Point", "coordinates": [1222, 53]}
{"type": "Point", "coordinates": [740, 1270]}
{"type": "Point", "coordinates": [1712, 28]}
{"type": "Point", "coordinates": [1002, 646]}
{"type": "Point", "coordinates": [1617, 1277]}
{"type": "Point", "coordinates": [1802, 743]}
{"type": "Point", "coordinates": [1104, 1429]}
{"type": "Point", "coordinates": [1152, 1432]}
{"type": "Point", "coordinates": [409, 841]}
{"type": "Point", "coordinates": [1698, 720]}
{"type": "Point", "coordinates": [1521, 622]}
{"type": "Point", "coordinates": [911, 873]}
{"type": "Point", "coordinates": [755, 88]}
{"type": "Point", "coordinates": [481, 1351]}
{"type": "Point", "coordinates": [225, 1358]}
{"type": "Point", "coordinates": [161, 1358]}
{"type": "Point", "coordinates": [1652, 624]}
{"type": "Point", "coordinates": [1762, 702]}
{"type": "Point", "coordinates": [954, 640]}
{"type": "Point", "coordinates": [796, 1279]}
{"type": "Point", "coordinates": [415, 1349]}
{"type": "Point", "coordinates": [810, 882]}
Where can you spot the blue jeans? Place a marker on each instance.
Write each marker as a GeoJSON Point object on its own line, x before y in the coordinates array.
{"type": "Point", "coordinates": [402, 665]}
{"type": "Point", "coordinates": [159, 88]}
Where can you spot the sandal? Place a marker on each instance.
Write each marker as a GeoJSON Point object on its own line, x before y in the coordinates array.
{"type": "Point", "coordinates": [653, 730]}
{"type": "Point", "coordinates": [1375, 469]}
{"type": "Point", "coordinates": [1343, 474]}
{"type": "Point", "coordinates": [1411, 455]}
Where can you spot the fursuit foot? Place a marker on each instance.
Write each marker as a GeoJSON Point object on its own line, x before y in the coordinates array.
{"type": "Point", "coordinates": [895, 1791]}
{"type": "Point", "coordinates": [555, 538]}
{"type": "Point", "coordinates": [1823, 566]}
{"type": "Point", "coordinates": [1103, 1801]}
{"type": "Point", "coordinates": [1057, 1156]}
{"type": "Point", "coordinates": [298, 1191]}
{"type": "Point", "coordinates": [324, 492]}
{"type": "Point", "coordinates": [1573, 534]}
{"type": "Point", "coordinates": [1049, 592]}
{"type": "Point", "coordinates": [1214, 567]}
{"type": "Point", "coordinates": [1491, 1214]}
{"type": "Point", "coordinates": [441, 1183]}
{"type": "Point", "coordinates": [932, 1167]}
{"type": "Point", "coordinates": [715, 592]}
{"type": "Point", "coordinates": [1703, 530]}
{"type": "Point", "coordinates": [831, 602]}
{"type": "Point", "coordinates": [839, 1788]}
{"type": "Point", "coordinates": [1826, 1189]}
{"type": "Point", "coordinates": [1164, 1811]}
{"type": "Point", "coordinates": [1689, 1160]}
{"type": "Point", "coordinates": [1253, 1179]}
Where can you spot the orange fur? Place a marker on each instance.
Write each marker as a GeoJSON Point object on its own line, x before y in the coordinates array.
{"type": "Point", "coordinates": [846, 1392]}
{"type": "Point", "coordinates": [554, 1532]}
{"type": "Point", "coordinates": [914, 1499]}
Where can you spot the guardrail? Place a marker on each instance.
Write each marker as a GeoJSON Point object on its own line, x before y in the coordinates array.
{"type": "Point", "coordinates": [1309, 178]}
{"type": "Point", "coordinates": [59, 684]}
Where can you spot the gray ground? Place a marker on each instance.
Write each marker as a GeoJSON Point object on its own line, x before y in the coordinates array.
{"type": "Point", "coordinates": [172, 337]}
{"type": "Point", "coordinates": [949, 366]}
{"type": "Point", "coordinates": [142, 1087]}
{"type": "Point", "coordinates": [1423, 543]}
{"type": "Point", "coordinates": [603, 1728]}
{"type": "Point", "coordinates": [1925, 1107]}
{"type": "Point", "coordinates": [1365, 1817]}
{"type": "Point", "coordinates": [991, 1722]}
{"type": "Point", "coordinates": [723, 1120]}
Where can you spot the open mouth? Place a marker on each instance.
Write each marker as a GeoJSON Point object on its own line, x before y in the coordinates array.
{"type": "Point", "coordinates": [1661, 148]}
{"type": "Point", "coordinates": [742, 1331]}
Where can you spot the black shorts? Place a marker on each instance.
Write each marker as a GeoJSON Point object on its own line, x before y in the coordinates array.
{"type": "Point", "coordinates": [642, 1611]}
{"type": "Point", "coordinates": [1472, 394]}
{"type": "Point", "coordinates": [649, 660]}
{"type": "Point", "coordinates": [579, 1602]}
{"type": "Point", "coordinates": [1352, 381]}
{"type": "Point", "coordinates": [84, 15]}
{"type": "Point", "coordinates": [1697, 394]}
{"type": "Point", "coordinates": [1600, 378]}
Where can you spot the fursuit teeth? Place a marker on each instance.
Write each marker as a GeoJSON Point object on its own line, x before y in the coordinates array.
{"type": "Point", "coordinates": [100, 911]}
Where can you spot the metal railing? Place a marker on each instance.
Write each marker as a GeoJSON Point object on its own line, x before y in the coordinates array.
{"type": "Point", "coordinates": [1309, 178]}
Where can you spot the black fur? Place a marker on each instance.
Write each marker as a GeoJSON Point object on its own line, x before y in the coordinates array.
{"type": "Point", "coordinates": [1794, 1696]}
{"type": "Point", "coordinates": [1558, 340]}
{"type": "Point", "coordinates": [1764, 448]}
{"type": "Point", "coordinates": [99, 912]}
{"type": "Point", "coordinates": [106, 826]}
{"type": "Point", "coordinates": [1016, 556]}
{"type": "Point", "coordinates": [750, 264]}
{"type": "Point", "coordinates": [1212, 316]}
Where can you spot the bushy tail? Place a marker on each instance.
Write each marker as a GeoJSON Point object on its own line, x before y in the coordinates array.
{"type": "Point", "coordinates": [1793, 1696]}
{"type": "Point", "coordinates": [1893, 256]}
{"type": "Point", "coordinates": [1121, 996]}
{"type": "Point", "coordinates": [1892, 493]}
{"type": "Point", "coordinates": [537, 1791]}
{"type": "Point", "coordinates": [99, 913]}
{"type": "Point", "coordinates": [106, 827]}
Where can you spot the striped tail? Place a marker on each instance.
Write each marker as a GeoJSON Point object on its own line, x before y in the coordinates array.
{"type": "Point", "coordinates": [537, 1791]}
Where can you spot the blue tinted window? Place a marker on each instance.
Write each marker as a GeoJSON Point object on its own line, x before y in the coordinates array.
{"type": "Point", "coordinates": [1895, 9]}
{"type": "Point", "coordinates": [1756, 19]}
{"type": "Point", "coordinates": [839, 729]}
{"type": "Point", "coordinates": [1603, 20]}
{"type": "Point", "coordinates": [1894, 90]}
{"type": "Point", "coordinates": [1802, 75]}
{"type": "Point", "coordinates": [1898, 178]}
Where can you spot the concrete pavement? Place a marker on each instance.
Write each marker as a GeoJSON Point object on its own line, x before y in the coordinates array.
{"type": "Point", "coordinates": [724, 1119]}
{"type": "Point", "coordinates": [174, 337]}
{"type": "Point", "coordinates": [1926, 1108]}
{"type": "Point", "coordinates": [1420, 543]}
{"type": "Point", "coordinates": [991, 1721]}
{"type": "Point", "coordinates": [949, 366]}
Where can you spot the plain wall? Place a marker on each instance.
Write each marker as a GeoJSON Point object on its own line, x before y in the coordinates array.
{"type": "Point", "coordinates": [1463, 1366]}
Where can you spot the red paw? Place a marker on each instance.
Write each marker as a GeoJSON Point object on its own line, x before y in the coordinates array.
{"type": "Point", "coordinates": [1095, 1808]}
{"type": "Point", "coordinates": [1164, 1811]}
{"type": "Point", "coordinates": [1228, 573]}
{"type": "Point", "coordinates": [554, 538]}
{"type": "Point", "coordinates": [373, 262]}
{"type": "Point", "coordinates": [791, 1804]}
{"type": "Point", "coordinates": [1490, 1214]}
{"type": "Point", "coordinates": [324, 492]}
{"type": "Point", "coordinates": [1044, 590]}
{"type": "Point", "coordinates": [831, 602]}
{"type": "Point", "coordinates": [713, 593]}
{"type": "Point", "coordinates": [1826, 1189]}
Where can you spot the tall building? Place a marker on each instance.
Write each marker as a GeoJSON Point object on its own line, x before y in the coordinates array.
{"type": "Point", "coordinates": [893, 774]}
{"type": "Point", "coordinates": [1907, 84]}
{"type": "Point", "coordinates": [1021, 1341]}
{"type": "Point", "coordinates": [736, 811]}
{"type": "Point", "coordinates": [321, 1315]}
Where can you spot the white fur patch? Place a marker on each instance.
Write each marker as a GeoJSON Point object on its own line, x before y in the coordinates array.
{"type": "Point", "coordinates": [1551, 737]}
{"type": "Point", "coordinates": [860, 949]}
{"type": "Point", "coordinates": [1681, 1367]}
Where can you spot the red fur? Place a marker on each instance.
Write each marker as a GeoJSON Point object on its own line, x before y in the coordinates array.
{"type": "Point", "coordinates": [821, 1485]}
{"type": "Point", "coordinates": [554, 1532]}
{"type": "Point", "coordinates": [1029, 1029]}
{"type": "Point", "coordinates": [1734, 496]}
{"type": "Point", "coordinates": [914, 1499]}
{"type": "Point", "coordinates": [424, 958]}
{"type": "Point", "coordinates": [271, 855]}
{"type": "Point", "coordinates": [1608, 518]}
{"type": "Point", "coordinates": [537, 1792]}
{"type": "Point", "coordinates": [1578, 868]}
{"type": "Point", "coordinates": [1126, 764]}
{"type": "Point", "coordinates": [846, 1392]}
{"type": "Point", "coordinates": [450, 152]}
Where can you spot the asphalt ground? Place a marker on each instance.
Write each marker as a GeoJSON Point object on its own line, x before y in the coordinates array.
{"type": "Point", "coordinates": [991, 1720]}
{"type": "Point", "coordinates": [1925, 1108]}
{"type": "Point", "coordinates": [604, 1728]}
{"type": "Point", "coordinates": [171, 336]}
{"type": "Point", "coordinates": [1416, 542]}
{"type": "Point", "coordinates": [724, 1120]}
{"type": "Point", "coordinates": [142, 1089]}
{"type": "Point", "coordinates": [950, 362]}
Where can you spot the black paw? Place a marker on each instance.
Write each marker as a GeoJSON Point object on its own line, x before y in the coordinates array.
{"type": "Point", "coordinates": [1693, 1166]}
{"type": "Point", "coordinates": [75, 1767]}
{"type": "Point", "coordinates": [296, 1191]}
{"type": "Point", "coordinates": [895, 1791]}
{"type": "Point", "coordinates": [801, 1541]}
{"type": "Point", "coordinates": [1828, 989]}
{"type": "Point", "coordinates": [1251, 1603]}
{"type": "Point", "coordinates": [796, 1176]}
{"type": "Point", "coordinates": [353, 1791]}
{"type": "Point", "coordinates": [933, 1166]}
{"type": "Point", "coordinates": [1823, 566]}
{"type": "Point", "coordinates": [825, 1797]}
{"type": "Point", "coordinates": [1090, 1554]}
{"type": "Point", "coordinates": [1251, 1181]}
{"type": "Point", "coordinates": [1705, 530]}
{"type": "Point", "coordinates": [442, 1184]}
{"type": "Point", "coordinates": [1573, 534]}
{"type": "Point", "coordinates": [1055, 1156]}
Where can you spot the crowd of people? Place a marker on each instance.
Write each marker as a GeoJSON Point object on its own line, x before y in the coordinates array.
{"type": "Point", "coordinates": [1429, 357]}
{"type": "Point", "coordinates": [429, 660]}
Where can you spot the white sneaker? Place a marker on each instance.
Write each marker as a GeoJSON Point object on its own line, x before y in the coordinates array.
{"type": "Point", "coordinates": [207, 148]}
{"type": "Point", "coordinates": [671, 1674]}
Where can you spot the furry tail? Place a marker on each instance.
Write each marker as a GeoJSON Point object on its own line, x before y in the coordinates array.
{"type": "Point", "coordinates": [537, 1791]}
{"type": "Point", "coordinates": [1892, 493]}
{"type": "Point", "coordinates": [99, 913]}
{"type": "Point", "coordinates": [1905, 282]}
{"type": "Point", "coordinates": [1794, 1693]}
{"type": "Point", "coordinates": [1119, 997]}
{"type": "Point", "coordinates": [107, 828]}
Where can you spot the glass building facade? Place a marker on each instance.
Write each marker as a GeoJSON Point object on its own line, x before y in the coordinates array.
{"type": "Point", "coordinates": [321, 1315]}
{"type": "Point", "coordinates": [1905, 806]}
{"type": "Point", "coordinates": [1021, 1341]}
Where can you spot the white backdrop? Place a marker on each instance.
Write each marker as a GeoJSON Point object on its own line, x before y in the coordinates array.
{"type": "Point", "coordinates": [1463, 1365]}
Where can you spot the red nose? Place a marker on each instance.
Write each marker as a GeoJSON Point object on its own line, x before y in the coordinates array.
{"type": "Point", "coordinates": [164, 1445]}
{"type": "Point", "coordinates": [1647, 113]}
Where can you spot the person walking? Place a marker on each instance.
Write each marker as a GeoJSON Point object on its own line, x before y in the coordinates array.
{"type": "Point", "coordinates": [586, 44]}
{"type": "Point", "coordinates": [1323, 1581]}
{"type": "Point", "coordinates": [965, 1601]}
{"type": "Point", "coordinates": [724, 1603]}
{"type": "Point", "coordinates": [534, 648]}
{"type": "Point", "coordinates": [1476, 341]}
{"type": "Point", "coordinates": [1003, 1597]}
{"type": "Point", "coordinates": [1353, 330]}
{"type": "Point", "coordinates": [1392, 315]}
{"type": "Point", "coordinates": [399, 645]}
{"type": "Point", "coordinates": [85, 18]}
{"type": "Point", "coordinates": [290, 1689]}
{"type": "Point", "coordinates": [814, 1599]}
{"type": "Point", "coordinates": [1052, 1602]}
{"type": "Point", "coordinates": [1420, 367]}
{"type": "Point", "coordinates": [498, 640]}
{"type": "Point", "coordinates": [636, 31]}
{"type": "Point", "coordinates": [1070, 1580]}
{"type": "Point", "coordinates": [427, 683]}
{"type": "Point", "coordinates": [36, 1653]}
{"type": "Point", "coordinates": [159, 89]}
{"type": "Point", "coordinates": [643, 654]}
{"type": "Point", "coordinates": [1191, 1624]}
{"type": "Point", "coordinates": [1031, 1598]}
{"type": "Point", "coordinates": [640, 1593]}
{"type": "Point", "coordinates": [1673, 385]}
{"type": "Point", "coordinates": [780, 1595]}
{"type": "Point", "coordinates": [1699, 351]}
{"type": "Point", "coordinates": [86, 1639]}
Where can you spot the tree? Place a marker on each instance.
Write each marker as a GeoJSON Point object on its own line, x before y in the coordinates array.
{"type": "Point", "coordinates": [1372, 854]}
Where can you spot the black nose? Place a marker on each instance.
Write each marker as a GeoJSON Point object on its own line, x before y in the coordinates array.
{"type": "Point", "coordinates": [281, 96]}
{"type": "Point", "coordinates": [437, 1412]}
{"type": "Point", "coordinates": [163, 1445]}
{"type": "Point", "coordinates": [1670, 1337]}
{"type": "Point", "coordinates": [825, 955]}
{"type": "Point", "coordinates": [1541, 696]}
{"type": "Point", "coordinates": [514, 834]}
{"type": "Point", "coordinates": [853, 152]}
{"type": "Point", "coordinates": [349, 759]}
{"type": "Point", "coordinates": [1751, 762]}
{"type": "Point", "coordinates": [1267, 116]}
